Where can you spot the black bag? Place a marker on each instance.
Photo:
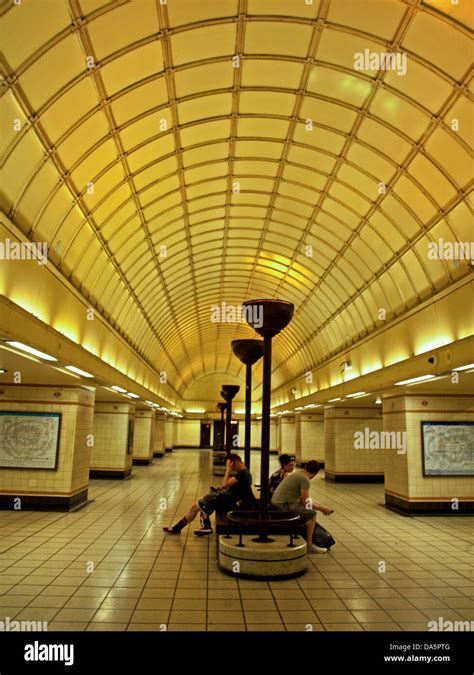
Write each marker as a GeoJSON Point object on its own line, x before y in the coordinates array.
{"type": "Point", "coordinates": [322, 538]}
{"type": "Point", "coordinates": [210, 502]}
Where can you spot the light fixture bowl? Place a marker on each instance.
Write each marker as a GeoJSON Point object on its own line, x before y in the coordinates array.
{"type": "Point", "coordinates": [248, 351]}
{"type": "Point", "coordinates": [268, 317]}
{"type": "Point", "coordinates": [228, 391]}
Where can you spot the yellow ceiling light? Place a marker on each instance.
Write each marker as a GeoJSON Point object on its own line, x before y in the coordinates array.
{"type": "Point", "coordinates": [299, 277]}
{"type": "Point", "coordinates": [468, 367]}
{"type": "Point", "coordinates": [272, 264]}
{"type": "Point", "coordinates": [121, 390]}
{"type": "Point", "coordinates": [90, 348]}
{"type": "Point", "coordinates": [414, 380]}
{"type": "Point", "coordinates": [391, 361]}
{"type": "Point", "coordinates": [30, 306]}
{"type": "Point", "coordinates": [434, 343]}
{"type": "Point", "coordinates": [365, 370]}
{"type": "Point", "coordinates": [78, 371]}
{"type": "Point", "coordinates": [66, 331]}
{"type": "Point", "coordinates": [31, 350]}
{"type": "Point", "coordinates": [131, 395]}
{"type": "Point", "coordinates": [281, 259]}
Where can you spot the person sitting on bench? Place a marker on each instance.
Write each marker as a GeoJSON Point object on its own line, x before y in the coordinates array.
{"type": "Point", "coordinates": [234, 489]}
{"type": "Point", "coordinates": [288, 465]}
{"type": "Point", "coordinates": [293, 495]}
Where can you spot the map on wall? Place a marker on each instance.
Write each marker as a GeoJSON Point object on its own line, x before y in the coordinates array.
{"type": "Point", "coordinates": [448, 448]}
{"type": "Point", "coordinates": [29, 440]}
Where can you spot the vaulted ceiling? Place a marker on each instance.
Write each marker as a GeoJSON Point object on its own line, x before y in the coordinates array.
{"type": "Point", "coordinates": [180, 154]}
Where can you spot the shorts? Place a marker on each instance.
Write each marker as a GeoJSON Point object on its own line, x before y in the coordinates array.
{"type": "Point", "coordinates": [297, 507]}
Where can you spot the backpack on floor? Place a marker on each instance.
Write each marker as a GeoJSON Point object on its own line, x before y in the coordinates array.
{"type": "Point", "coordinates": [322, 537]}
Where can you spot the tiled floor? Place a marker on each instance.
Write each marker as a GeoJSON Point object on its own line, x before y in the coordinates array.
{"type": "Point", "coordinates": [109, 566]}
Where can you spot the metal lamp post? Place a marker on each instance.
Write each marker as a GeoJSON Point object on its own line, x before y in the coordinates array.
{"type": "Point", "coordinates": [249, 352]}
{"type": "Point", "coordinates": [219, 450]}
{"type": "Point", "coordinates": [221, 407]}
{"type": "Point", "coordinates": [228, 392]}
{"type": "Point", "coordinates": [268, 318]}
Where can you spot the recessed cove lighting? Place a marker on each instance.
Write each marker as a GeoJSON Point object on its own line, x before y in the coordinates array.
{"type": "Point", "coordinates": [470, 365]}
{"type": "Point", "coordinates": [333, 400]}
{"type": "Point", "coordinates": [132, 395]}
{"type": "Point", "coordinates": [31, 350]}
{"type": "Point", "coordinates": [78, 371]}
{"type": "Point", "coordinates": [416, 379]}
{"type": "Point", "coordinates": [119, 389]}
{"type": "Point", "coordinates": [299, 408]}
{"type": "Point", "coordinates": [357, 393]}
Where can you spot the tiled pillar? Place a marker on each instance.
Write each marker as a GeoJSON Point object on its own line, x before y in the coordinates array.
{"type": "Point", "coordinates": [170, 433]}
{"type": "Point", "coordinates": [274, 436]}
{"type": "Point", "coordinates": [174, 436]}
{"type": "Point", "coordinates": [346, 456]}
{"type": "Point", "coordinates": [159, 435]}
{"type": "Point", "coordinates": [189, 433]}
{"type": "Point", "coordinates": [286, 440]}
{"type": "Point", "coordinates": [256, 434]}
{"type": "Point", "coordinates": [47, 437]}
{"type": "Point", "coordinates": [111, 454]}
{"type": "Point", "coordinates": [309, 437]}
{"type": "Point", "coordinates": [143, 436]}
{"type": "Point", "coordinates": [407, 489]}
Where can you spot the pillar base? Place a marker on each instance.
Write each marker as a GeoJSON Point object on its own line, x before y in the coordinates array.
{"type": "Point", "coordinates": [158, 454]}
{"type": "Point", "coordinates": [44, 502]}
{"type": "Point", "coordinates": [353, 477]}
{"type": "Point", "coordinates": [169, 450]}
{"type": "Point", "coordinates": [272, 560]}
{"type": "Point", "coordinates": [421, 507]}
{"type": "Point", "coordinates": [140, 460]}
{"type": "Point", "coordinates": [111, 473]}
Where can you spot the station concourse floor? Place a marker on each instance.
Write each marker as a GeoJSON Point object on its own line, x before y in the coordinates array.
{"type": "Point", "coordinates": [109, 565]}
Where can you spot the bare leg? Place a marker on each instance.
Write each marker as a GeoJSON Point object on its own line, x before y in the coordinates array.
{"type": "Point", "coordinates": [310, 525]}
{"type": "Point", "coordinates": [192, 513]}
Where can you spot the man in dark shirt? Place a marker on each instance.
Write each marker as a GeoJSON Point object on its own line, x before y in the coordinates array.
{"type": "Point", "coordinates": [234, 489]}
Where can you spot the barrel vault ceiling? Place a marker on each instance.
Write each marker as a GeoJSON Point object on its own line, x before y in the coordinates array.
{"type": "Point", "coordinates": [176, 155]}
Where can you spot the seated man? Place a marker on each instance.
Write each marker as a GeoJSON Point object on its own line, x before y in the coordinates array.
{"type": "Point", "coordinates": [235, 489]}
{"type": "Point", "coordinates": [293, 495]}
{"type": "Point", "coordinates": [288, 465]}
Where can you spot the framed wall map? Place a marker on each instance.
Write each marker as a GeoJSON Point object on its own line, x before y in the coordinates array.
{"type": "Point", "coordinates": [448, 448]}
{"type": "Point", "coordinates": [29, 440]}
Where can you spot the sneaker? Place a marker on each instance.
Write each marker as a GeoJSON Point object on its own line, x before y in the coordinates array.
{"type": "Point", "coordinates": [171, 530]}
{"type": "Point", "coordinates": [203, 531]}
{"type": "Point", "coordinates": [317, 549]}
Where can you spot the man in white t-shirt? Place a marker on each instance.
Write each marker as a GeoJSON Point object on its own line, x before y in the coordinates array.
{"type": "Point", "coordinates": [293, 495]}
